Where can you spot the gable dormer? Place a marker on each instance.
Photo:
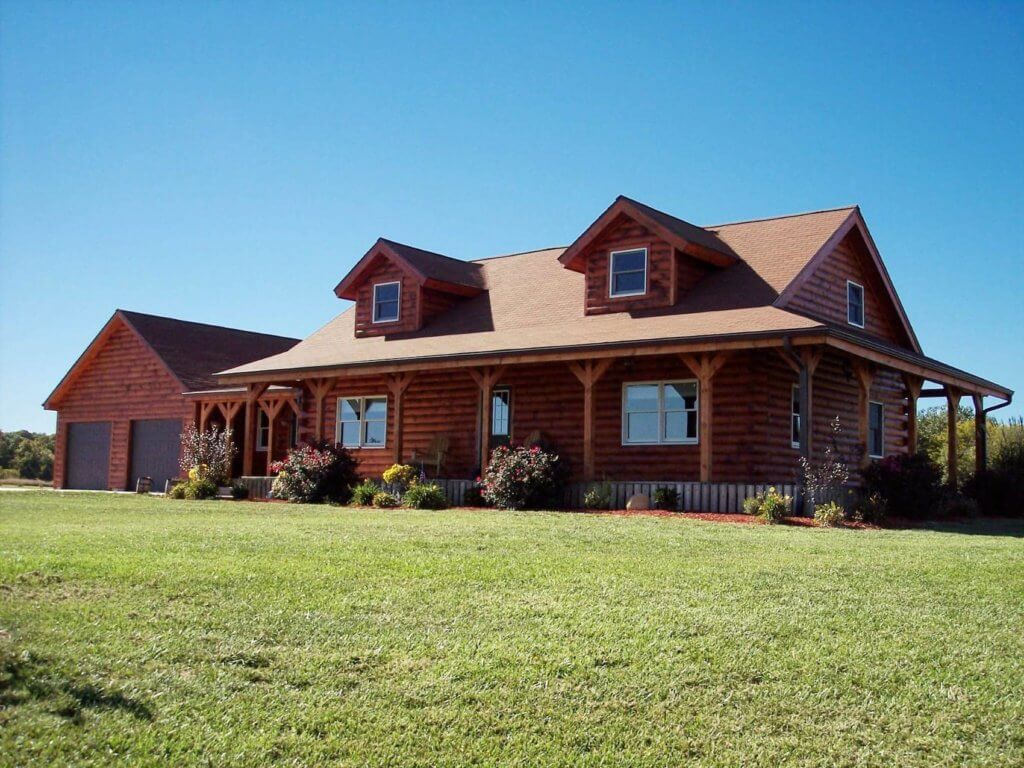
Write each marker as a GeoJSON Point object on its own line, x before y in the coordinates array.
{"type": "Point", "coordinates": [635, 257]}
{"type": "Point", "coordinates": [399, 289]}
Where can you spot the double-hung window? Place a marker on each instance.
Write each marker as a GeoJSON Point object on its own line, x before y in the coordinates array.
{"type": "Point", "coordinates": [501, 412]}
{"type": "Point", "coordinates": [262, 431]}
{"type": "Point", "coordinates": [876, 430]}
{"type": "Point", "coordinates": [386, 302]}
{"type": "Point", "coordinates": [854, 304]}
{"type": "Point", "coordinates": [659, 412]}
{"type": "Point", "coordinates": [362, 421]}
{"type": "Point", "coordinates": [794, 420]}
{"type": "Point", "coordinates": [627, 273]}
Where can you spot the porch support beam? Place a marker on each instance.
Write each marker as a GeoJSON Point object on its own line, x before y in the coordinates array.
{"type": "Point", "coordinates": [320, 389]}
{"type": "Point", "coordinates": [913, 386]}
{"type": "Point", "coordinates": [589, 372]}
{"type": "Point", "coordinates": [705, 367]}
{"type": "Point", "coordinates": [397, 384]}
{"type": "Point", "coordinates": [953, 396]}
{"type": "Point", "coordinates": [485, 378]}
{"type": "Point", "coordinates": [273, 409]}
{"type": "Point", "coordinates": [249, 438]}
{"type": "Point", "coordinates": [865, 378]}
{"type": "Point", "coordinates": [980, 435]}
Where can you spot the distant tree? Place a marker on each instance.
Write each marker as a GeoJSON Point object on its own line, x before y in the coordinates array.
{"type": "Point", "coordinates": [33, 459]}
{"type": "Point", "coordinates": [933, 440]}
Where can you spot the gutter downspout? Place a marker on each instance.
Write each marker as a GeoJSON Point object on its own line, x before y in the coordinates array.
{"type": "Point", "coordinates": [981, 433]}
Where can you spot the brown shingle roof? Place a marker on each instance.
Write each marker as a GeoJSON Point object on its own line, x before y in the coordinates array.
{"type": "Point", "coordinates": [195, 351]}
{"type": "Point", "coordinates": [444, 272]}
{"type": "Point", "coordinates": [534, 303]}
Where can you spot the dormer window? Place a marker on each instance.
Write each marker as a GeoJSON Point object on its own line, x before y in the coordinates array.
{"type": "Point", "coordinates": [628, 273]}
{"type": "Point", "coordinates": [854, 304]}
{"type": "Point", "coordinates": [386, 302]}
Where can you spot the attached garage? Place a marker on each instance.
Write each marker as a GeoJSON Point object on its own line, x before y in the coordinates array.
{"type": "Point", "coordinates": [121, 408]}
{"type": "Point", "coordinates": [155, 449]}
{"type": "Point", "coordinates": [88, 456]}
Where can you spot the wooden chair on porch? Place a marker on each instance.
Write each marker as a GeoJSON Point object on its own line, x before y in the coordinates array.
{"type": "Point", "coordinates": [434, 454]}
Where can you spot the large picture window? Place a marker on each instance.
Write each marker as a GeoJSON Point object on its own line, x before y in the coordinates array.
{"type": "Point", "coordinates": [628, 273]}
{"type": "Point", "coordinates": [386, 302]}
{"type": "Point", "coordinates": [362, 421]}
{"type": "Point", "coordinates": [659, 412]}
{"type": "Point", "coordinates": [876, 430]}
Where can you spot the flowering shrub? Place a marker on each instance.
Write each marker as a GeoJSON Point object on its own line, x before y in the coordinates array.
{"type": "Point", "coordinates": [521, 478]}
{"type": "Point", "coordinates": [315, 473]}
{"type": "Point", "coordinates": [209, 452]}
{"type": "Point", "coordinates": [402, 475]}
{"type": "Point", "coordinates": [194, 488]}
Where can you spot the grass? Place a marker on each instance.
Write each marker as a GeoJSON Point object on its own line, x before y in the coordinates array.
{"type": "Point", "coordinates": [148, 631]}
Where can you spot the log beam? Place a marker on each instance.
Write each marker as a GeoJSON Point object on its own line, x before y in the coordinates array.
{"type": "Point", "coordinates": [485, 378]}
{"type": "Point", "coordinates": [980, 435]}
{"type": "Point", "coordinates": [913, 386]}
{"type": "Point", "coordinates": [589, 372]}
{"type": "Point", "coordinates": [953, 396]}
{"type": "Point", "coordinates": [271, 407]}
{"type": "Point", "coordinates": [705, 367]}
{"type": "Point", "coordinates": [253, 392]}
{"type": "Point", "coordinates": [397, 384]}
{"type": "Point", "coordinates": [865, 378]}
{"type": "Point", "coordinates": [319, 388]}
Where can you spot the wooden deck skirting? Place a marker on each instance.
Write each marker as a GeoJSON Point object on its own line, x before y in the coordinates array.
{"type": "Point", "coordinates": [691, 496]}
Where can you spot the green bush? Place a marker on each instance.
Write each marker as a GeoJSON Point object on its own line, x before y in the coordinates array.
{"type": "Point", "coordinates": [598, 497]}
{"type": "Point", "coordinates": [829, 514]}
{"type": "Point", "coordinates": [9, 473]}
{"type": "Point", "coordinates": [666, 498]}
{"type": "Point", "coordinates": [362, 494]}
{"type": "Point", "coordinates": [384, 500]}
{"type": "Point", "coordinates": [425, 496]}
{"type": "Point", "coordinates": [200, 489]}
{"type": "Point", "coordinates": [871, 508]}
{"type": "Point", "coordinates": [957, 506]}
{"type": "Point", "coordinates": [402, 475]}
{"type": "Point", "coordinates": [239, 491]}
{"type": "Point", "coordinates": [177, 491]}
{"type": "Point", "coordinates": [771, 506]}
{"type": "Point", "coordinates": [910, 485]}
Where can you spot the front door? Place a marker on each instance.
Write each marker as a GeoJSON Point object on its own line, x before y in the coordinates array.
{"type": "Point", "coordinates": [501, 417]}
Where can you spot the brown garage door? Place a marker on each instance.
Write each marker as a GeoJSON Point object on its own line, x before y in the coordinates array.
{"type": "Point", "coordinates": [155, 445]}
{"type": "Point", "coordinates": [88, 455]}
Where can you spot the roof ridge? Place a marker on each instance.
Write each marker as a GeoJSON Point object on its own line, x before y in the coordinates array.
{"type": "Point", "coordinates": [131, 312]}
{"type": "Point", "coordinates": [424, 250]}
{"type": "Point", "coordinates": [519, 253]}
{"type": "Point", "coordinates": [782, 216]}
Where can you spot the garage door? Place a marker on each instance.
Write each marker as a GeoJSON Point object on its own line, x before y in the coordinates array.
{"type": "Point", "coordinates": [88, 455]}
{"type": "Point", "coordinates": [155, 446]}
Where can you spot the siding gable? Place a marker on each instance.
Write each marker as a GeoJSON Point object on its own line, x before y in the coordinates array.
{"type": "Point", "coordinates": [387, 271]}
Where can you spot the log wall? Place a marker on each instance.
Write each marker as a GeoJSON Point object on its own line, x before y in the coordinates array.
{"type": "Point", "coordinates": [408, 318]}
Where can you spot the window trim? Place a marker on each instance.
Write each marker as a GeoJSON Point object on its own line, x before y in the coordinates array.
{"type": "Point", "coordinates": [624, 439]}
{"type": "Point", "coordinates": [362, 422]}
{"type": "Point", "coordinates": [795, 401]}
{"type": "Point", "coordinates": [881, 407]}
{"type": "Point", "coordinates": [261, 445]}
{"type": "Point", "coordinates": [863, 305]}
{"type": "Point", "coordinates": [611, 272]}
{"type": "Point", "coordinates": [398, 301]}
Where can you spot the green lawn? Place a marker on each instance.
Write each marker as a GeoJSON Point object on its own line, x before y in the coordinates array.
{"type": "Point", "coordinates": [148, 631]}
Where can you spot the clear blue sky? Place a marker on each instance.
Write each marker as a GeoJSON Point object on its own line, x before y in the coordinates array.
{"type": "Point", "coordinates": [228, 162]}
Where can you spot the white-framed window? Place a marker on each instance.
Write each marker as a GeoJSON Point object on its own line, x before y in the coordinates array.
{"type": "Point", "coordinates": [262, 431]}
{"type": "Point", "coordinates": [794, 409]}
{"type": "Point", "coordinates": [854, 304]}
{"type": "Point", "coordinates": [387, 302]}
{"type": "Point", "coordinates": [627, 273]}
{"type": "Point", "coordinates": [362, 421]}
{"type": "Point", "coordinates": [657, 412]}
{"type": "Point", "coordinates": [501, 412]}
{"type": "Point", "coordinates": [876, 430]}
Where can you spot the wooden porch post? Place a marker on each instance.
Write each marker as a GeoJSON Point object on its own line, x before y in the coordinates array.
{"type": "Point", "coordinates": [486, 378]}
{"type": "Point", "coordinates": [397, 384]}
{"type": "Point", "coordinates": [589, 372]}
{"type": "Point", "coordinates": [913, 386]}
{"type": "Point", "coordinates": [320, 388]}
{"type": "Point", "coordinates": [272, 408]}
{"type": "Point", "coordinates": [953, 396]}
{"type": "Point", "coordinates": [980, 435]}
{"type": "Point", "coordinates": [865, 377]}
{"type": "Point", "coordinates": [249, 438]}
{"type": "Point", "coordinates": [704, 368]}
{"type": "Point", "coordinates": [204, 414]}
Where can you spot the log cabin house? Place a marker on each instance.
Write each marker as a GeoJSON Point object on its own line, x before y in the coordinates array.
{"type": "Point", "coordinates": [648, 350]}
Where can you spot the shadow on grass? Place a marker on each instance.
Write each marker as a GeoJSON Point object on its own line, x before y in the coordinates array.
{"type": "Point", "coordinates": [25, 677]}
{"type": "Point", "coordinates": [980, 526]}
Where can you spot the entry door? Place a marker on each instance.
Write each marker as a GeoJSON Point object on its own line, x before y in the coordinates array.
{"type": "Point", "coordinates": [88, 456]}
{"type": "Point", "coordinates": [501, 417]}
{"type": "Point", "coordinates": [156, 444]}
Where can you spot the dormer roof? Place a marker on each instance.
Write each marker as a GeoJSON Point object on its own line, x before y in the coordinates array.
{"type": "Point", "coordinates": [432, 270]}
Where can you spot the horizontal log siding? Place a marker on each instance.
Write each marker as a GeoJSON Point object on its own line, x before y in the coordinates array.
{"type": "Point", "coordinates": [124, 381]}
{"type": "Point", "coordinates": [823, 295]}
{"type": "Point", "coordinates": [434, 303]}
{"type": "Point", "coordinates": [689, 272]}
{"type": "Point", "coordinates": [408, 319]}
{"type": "Point", "coordinates": [623, 234]}
{"type": "Point", "coordinates": [548, 398]}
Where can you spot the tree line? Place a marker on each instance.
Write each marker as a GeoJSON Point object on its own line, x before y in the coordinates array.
{"type": "Point", "coordinates": [26, 454]}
